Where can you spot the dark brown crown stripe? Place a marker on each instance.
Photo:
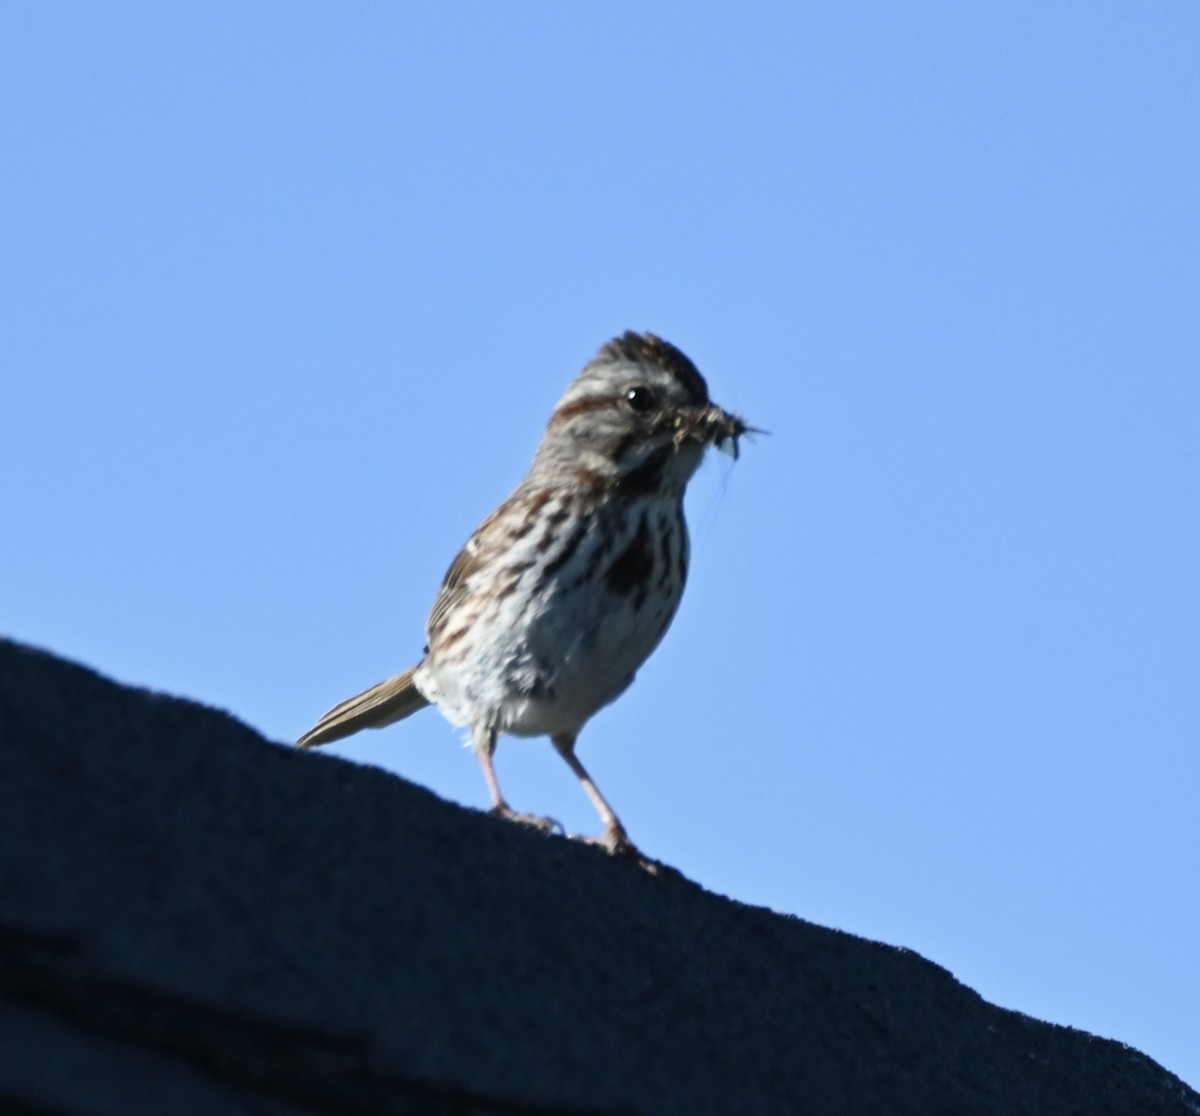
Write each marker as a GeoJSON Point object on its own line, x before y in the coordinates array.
{"type": "Point", "coordinates": [638, 347]}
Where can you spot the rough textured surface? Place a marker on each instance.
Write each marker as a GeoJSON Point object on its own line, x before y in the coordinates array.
{"type": "Point", "coordinates": [194, 920]}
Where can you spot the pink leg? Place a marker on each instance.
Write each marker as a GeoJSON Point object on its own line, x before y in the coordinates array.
{"type": "Point", "coordinates": [484, 741]}
{"type": "Point", "coordinates": [614, 838]}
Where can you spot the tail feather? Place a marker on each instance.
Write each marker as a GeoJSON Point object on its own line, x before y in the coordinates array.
{"type": "Point", "coordinates": [383, 704]}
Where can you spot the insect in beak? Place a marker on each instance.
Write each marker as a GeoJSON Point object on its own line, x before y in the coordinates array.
{"type": "Point", "coordinates": [713, 427]}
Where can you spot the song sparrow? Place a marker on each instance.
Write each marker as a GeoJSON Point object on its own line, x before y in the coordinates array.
{"type": "Point", "coordinates": [565, 589]}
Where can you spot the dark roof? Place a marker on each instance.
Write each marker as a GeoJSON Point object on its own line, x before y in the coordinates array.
{"type": "Point", "coordinates": [195, 920]}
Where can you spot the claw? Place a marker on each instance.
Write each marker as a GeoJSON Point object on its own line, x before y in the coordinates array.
{"type": "Point", "coordinates": [549, 826]}
{"type": "Point", "coordinates": [615, 841]}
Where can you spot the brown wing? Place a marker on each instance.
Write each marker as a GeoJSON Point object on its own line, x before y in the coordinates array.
{"type": "Point", "coordinates": [453, 587]}
{"type": "Point", "coordinates": [467, 561]}
{"type": "Point", "coordinates": [509, 523]}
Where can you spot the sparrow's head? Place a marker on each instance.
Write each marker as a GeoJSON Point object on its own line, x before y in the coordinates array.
{"type": "Point", "coordinates": [637, 417]}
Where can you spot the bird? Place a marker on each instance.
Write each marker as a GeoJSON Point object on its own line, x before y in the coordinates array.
{"type": "Point", "coordinates": [565, 589]}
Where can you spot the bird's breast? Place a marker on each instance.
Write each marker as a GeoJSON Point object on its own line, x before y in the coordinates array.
{"type": "Point", "coordinates": [565, 618]}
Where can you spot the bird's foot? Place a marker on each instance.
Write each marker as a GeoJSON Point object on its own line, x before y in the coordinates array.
{"type": "Point", "coordinates": [615, 841]}
{"type": "Point", "coordinates": [534, 821]}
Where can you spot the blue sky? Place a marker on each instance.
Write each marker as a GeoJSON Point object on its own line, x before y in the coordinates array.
{"type": "Point", "coordinates": [290, 290]}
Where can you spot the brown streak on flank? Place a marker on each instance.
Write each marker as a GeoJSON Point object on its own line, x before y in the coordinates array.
{"type": "Point", "coordinates": [591, 478]}
{"type": "Point", "coordinates": [538, 500]}
{"type": "Point", "coordinates": [507, 591]}
{"type": "Point", "coordinates": [568, 411]}
{"type": "Point", "coordinates": [449, 641]}
{"type": "Point", "coordinates": [514, 572]}
{"type": "Point", "coordinates": [515, 534]}
{"type": "Point", "coordinates": [568, 549]}
{"type": "Point", "coordinates": [532, 506]}
{"type": "Point", "coordinates": [553, 521]}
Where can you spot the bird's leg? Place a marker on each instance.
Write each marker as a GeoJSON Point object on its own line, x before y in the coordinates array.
{"type": "Point", "coordinates": [483, 740]}
{"type": "Point", "coordinates": [614, 838]}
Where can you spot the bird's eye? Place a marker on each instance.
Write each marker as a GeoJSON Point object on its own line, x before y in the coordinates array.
{"type": "Point", "coordinates": [639, 398]}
